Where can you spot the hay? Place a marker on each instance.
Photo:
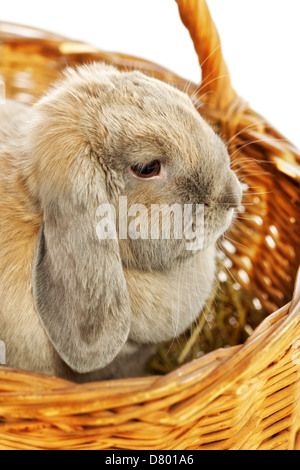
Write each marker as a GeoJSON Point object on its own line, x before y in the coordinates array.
{"type": "Point", "coordinates": [229, 317]}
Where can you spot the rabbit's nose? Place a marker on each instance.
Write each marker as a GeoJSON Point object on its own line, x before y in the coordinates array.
{"type": "Point", "coordinates": [232, 195]}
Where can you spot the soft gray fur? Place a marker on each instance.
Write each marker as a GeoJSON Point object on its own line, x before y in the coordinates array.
{"type": "Point", "coordinates": [76, 306]}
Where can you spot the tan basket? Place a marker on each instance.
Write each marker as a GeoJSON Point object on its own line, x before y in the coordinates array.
{"type": "Point", "coordinates": [243, 397]}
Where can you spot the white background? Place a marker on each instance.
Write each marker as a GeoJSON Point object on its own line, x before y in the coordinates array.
{"type": "Point", "coordinates": [260, 40]}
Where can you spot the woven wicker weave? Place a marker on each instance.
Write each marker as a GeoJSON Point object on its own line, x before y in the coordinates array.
{"type": "Point", "coordinates": [243, 397]}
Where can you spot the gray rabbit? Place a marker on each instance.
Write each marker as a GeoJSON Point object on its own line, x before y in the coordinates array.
{"type": "Point", "coordinates": [87, 307]}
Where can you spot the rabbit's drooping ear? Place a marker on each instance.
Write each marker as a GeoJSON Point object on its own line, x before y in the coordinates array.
{"type": "Point", "coordinates": [79, 287]}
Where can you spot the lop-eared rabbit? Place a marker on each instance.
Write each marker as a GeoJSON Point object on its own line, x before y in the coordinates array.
{"type": "Point", "coordinates": [82, 306]}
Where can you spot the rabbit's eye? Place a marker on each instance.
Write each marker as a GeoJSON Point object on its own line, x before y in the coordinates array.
{"type": "Point", "coordinates": [147, 171]}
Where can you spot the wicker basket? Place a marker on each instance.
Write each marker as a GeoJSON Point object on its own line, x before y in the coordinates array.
{"type": "Point", "coordinates": [242, 397]}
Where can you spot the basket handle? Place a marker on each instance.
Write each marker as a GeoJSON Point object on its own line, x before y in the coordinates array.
{"type": "Point", "coordinates": [216, 87]}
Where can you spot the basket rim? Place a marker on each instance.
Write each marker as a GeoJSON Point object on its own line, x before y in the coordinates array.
{"type": "Point", "coordinates": [20, 30]}
{"type": "Point", "coordinates": [218, 370]}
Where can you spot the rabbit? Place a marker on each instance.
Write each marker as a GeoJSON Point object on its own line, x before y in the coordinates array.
{"type": "Point", "coordinates": [86, 307]}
